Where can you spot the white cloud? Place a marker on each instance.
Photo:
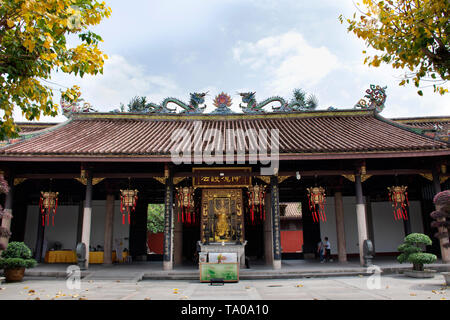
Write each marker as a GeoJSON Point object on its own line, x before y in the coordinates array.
{"type": "Point", "coordinates": [119, 82]}
{"type": "Point", "coordinates": [287, 60]}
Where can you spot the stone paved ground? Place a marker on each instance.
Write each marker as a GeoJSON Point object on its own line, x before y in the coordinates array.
{"type": "Point", "coordinates": [396, 287]}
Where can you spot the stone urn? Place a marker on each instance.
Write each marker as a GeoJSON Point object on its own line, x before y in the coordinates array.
{"type": "Point", "coordinates": [14, 275]}
{"type": "Point", "coordinates": [426, 273]}
{"type": "Point", "coordinates": [446, 277]}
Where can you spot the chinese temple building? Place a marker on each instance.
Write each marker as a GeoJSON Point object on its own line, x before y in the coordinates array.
{"type": "Point", "coordinates": [266, 185]}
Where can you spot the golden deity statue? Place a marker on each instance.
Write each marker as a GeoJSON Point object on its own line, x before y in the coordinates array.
{"type": "Point", "coordinates": [222, 226]}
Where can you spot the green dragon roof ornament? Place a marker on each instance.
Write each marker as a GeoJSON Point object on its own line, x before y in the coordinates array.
{"type": "Point", "coordinates": [254, 107]}
{"type": "Point", "coordinates": [376, 96]}
{"type": "Point", "coordinates": [193, 107]}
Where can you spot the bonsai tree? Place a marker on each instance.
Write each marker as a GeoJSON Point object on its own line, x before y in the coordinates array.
{"type": "Point", "coordinates": [16, 257]}
{"type": "Point", "coordinates": [412, 252]}
{"type": "Point", "coordinates": [442, 215]}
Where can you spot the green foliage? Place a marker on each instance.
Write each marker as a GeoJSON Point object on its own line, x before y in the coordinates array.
{"type": "Point", "coordinates": [12, 263]}
{"type": "Point", "coordinates": [33, 45]}
{"type": "Point", "coordinates": [138, 104]}
{"type": "Point", "coordinates": [422, 258]}
{"type": "Point", "coordinates": [306, 102]}
{"type": "Point", "coordinates": [155, 218]}
{"type": "Point", "coordinates": [418, 238]}
{"type": "Point", "coordinates": [17, 255]}
{"type": "Point", "coordinates": [412, 252]}
{"type": "Point", "coordinates": [409, 35]}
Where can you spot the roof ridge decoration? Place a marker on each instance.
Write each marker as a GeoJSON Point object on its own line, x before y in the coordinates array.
{"type": "Point", "coordinates": [74, 107]}
{"type": "Point", "coordinates": [254, 107]}
{"type": "Point", "coordinates": [193, 107]}
{"type": "Point", "coordinates": [222, 102]}
{"type": "Point", "coordinates": [376, 96]}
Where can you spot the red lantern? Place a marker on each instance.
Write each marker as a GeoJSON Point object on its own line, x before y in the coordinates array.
{"type": "Point", "coordinates": [399, 198]}
{"type": "Point", "coordinates": [256, 196]}
{"type": "Point", "coordinates": [185, 201]}
{"type": "Point", "coordinates": [128, 199]}
{"type": "Point", "coordinates": [316, 198]}
{"type": "Point", "coordinates": [48, 203]}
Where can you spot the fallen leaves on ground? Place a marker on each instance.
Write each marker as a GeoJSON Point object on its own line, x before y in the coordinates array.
{"type": "Point", "coordinates": [299, 286]}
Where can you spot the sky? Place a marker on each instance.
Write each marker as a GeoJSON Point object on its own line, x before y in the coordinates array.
{"type": "Point", "coordinates": [171, 48]}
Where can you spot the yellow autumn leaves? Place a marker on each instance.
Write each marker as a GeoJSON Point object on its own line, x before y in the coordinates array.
{"type": "Point", "coordinates": [33, 45]}
{"type": "Point", "coordinates": [412, 35]}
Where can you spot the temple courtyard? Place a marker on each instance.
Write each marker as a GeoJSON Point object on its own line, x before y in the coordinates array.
{"type": "Point", "coordinates": [392, 287]}
{"type": "Point", "coordinates": [296, 280]}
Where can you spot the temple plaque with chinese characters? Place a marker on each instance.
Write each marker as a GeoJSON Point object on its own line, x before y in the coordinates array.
{"type": "Point", "coordinates": [212, 178]}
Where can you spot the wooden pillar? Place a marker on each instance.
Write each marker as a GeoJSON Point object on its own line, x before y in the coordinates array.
{"type": "Point", "coordinates": [109, 228]}
{"type": "Point", "coordinates": [340, 226]}
{"type": "Point", "coordinates": [7, 213]}
{"type": "Point", "coordinates": [86, 229]}
{"type": "Point", "coordinates": [39, 238]}
{"type": "Point", "coordinates": [370, 228]}
{"type": "Point", "coordinates": [445, 252]}
{"type": "Point", "coordinates": [268, 239]}
{"type": "Point", "coordinates": [360, 217]}
{"type": "Point", "coordinates": [168, 221]}
{"type": "Point", "coordinates": [275, 201]}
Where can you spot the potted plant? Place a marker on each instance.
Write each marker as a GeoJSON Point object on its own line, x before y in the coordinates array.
{"type": "Point", "coordinates": [411, 251]}
{"type": "Point", "coordinates": [442, 223]}
{"type": "Point", "coordinates": [14, 260]}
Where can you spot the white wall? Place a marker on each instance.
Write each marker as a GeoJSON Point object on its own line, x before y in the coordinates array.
{"type": "Point", "coordinates": [66, 222]}
{"type": "Point", "coordinates": [328, 228]}
{"type": "Point", "coordinates": [388, 233]}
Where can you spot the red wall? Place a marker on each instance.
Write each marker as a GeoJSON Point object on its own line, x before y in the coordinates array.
{"type": "Point", "coordinates": [155, 242]}
{"type": "Point", "coordinates": [291, 241]}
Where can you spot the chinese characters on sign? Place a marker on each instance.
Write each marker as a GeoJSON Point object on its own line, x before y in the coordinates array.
{"type": "Point", "coordinates": [217, 178]}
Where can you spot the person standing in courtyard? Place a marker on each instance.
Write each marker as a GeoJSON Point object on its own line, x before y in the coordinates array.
{"type": "Point", "coordinates": [327, 247]}
{"type": "Point", "coordinates": [320, 251]}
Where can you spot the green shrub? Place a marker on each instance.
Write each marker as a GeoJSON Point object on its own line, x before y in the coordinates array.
{"type": "Point", "coordinates": [17, 255]}
{"type": "Point", "coordinates": [412, 252]}
{"type": "Point", "coordinates": [12, 263]}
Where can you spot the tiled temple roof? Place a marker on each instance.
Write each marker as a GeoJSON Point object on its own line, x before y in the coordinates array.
{"type": "Point", "coordinates": [325, 134]}
{"type": "Point", "coordinates": [424, 122]}
{"type": "Point", "coordinates": [291, 210]}
{"type": "Point", "coordinates": [27, 127]}
{"type": "Point", "coordinates": [434, 127]}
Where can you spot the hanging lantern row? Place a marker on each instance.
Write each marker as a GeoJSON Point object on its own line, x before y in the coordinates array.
{"type": "Point", "coordinates": [399, 198]}
{"type": "Point", "coordinates": [128, 199]}
{"type": "Point", "coordinates": [256, 196]}
{"type": "Point", "coordinates": [316, 199]}
{"type": "Point", "coordinates": [48, 203]}
{"type": "Point", "coordinates": [184, 198]}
